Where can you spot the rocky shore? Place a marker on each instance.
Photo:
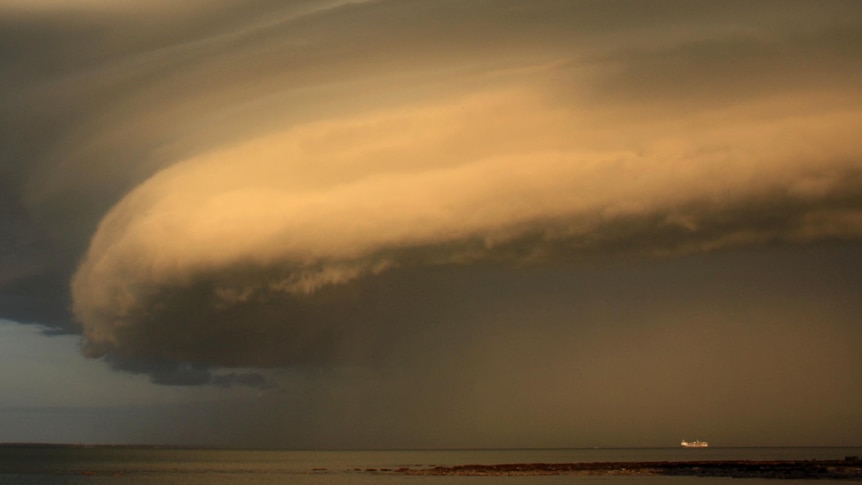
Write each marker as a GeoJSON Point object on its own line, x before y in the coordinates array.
{"type": "Point", "coordinates": [849, 468]}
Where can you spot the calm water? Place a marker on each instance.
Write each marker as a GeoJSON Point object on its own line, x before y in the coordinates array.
{"type": "Point", "coordinates": [59, 465]}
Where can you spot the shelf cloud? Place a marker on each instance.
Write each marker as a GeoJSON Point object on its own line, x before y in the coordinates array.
{"type": "Point", "coordinates": [257, 185]}
{"type": "Point", "coordinates": [505, 176]}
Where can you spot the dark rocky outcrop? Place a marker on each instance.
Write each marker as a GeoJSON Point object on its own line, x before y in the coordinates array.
{"type": "Point", "coordinates": [797, 469]}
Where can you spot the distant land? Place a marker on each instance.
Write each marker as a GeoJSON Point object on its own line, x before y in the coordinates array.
{"type": "Point", "coordinates": [849, 468]}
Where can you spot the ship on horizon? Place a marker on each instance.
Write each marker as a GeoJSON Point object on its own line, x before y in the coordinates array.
{"type": "Point", "coordinates": [694, 444]}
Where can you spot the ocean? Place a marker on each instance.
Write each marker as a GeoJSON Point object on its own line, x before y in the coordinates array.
{"type": "Point", "coordinates": [38, 464]}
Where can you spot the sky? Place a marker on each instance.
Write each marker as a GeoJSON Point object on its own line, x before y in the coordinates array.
{"type": "Point", "coordinates": [431, 223]}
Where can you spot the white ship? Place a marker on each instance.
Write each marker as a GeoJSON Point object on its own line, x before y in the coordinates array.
{"type": "Point", "coordinates": [694, 444]}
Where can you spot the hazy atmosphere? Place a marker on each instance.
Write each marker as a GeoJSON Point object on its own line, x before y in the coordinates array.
{"type": "Point", "coordinates": [431, 223]}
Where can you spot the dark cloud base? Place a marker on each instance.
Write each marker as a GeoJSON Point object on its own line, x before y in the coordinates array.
{"type": "Point", "coordinates": [470, 348]}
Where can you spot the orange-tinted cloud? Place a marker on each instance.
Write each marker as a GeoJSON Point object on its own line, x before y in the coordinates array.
{"type": "Point", "coordinates": [497, 175]}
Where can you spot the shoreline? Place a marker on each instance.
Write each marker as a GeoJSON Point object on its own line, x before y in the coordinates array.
{"type": "Point", "coordinates": [850, 468]}
{"type": "Point", "coordinates": [155, 461]}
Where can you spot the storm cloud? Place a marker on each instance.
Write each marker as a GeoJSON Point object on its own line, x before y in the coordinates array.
{"type": "Point", "coordinates": [283, 216]}
{"type": "Point", "coordinates": [696, 143]}
{"type": "Point", "coordinates": [221, 192]}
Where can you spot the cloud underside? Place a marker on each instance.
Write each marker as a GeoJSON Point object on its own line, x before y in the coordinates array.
{"type": "Point", "coordinates": [260, 254]}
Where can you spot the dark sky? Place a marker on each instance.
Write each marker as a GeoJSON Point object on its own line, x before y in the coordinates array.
{"type": "Point", "coordinates": [430, 223]}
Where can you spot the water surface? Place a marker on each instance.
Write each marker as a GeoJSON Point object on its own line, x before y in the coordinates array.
{"type": "Point", "coordinates": [146, 465]}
